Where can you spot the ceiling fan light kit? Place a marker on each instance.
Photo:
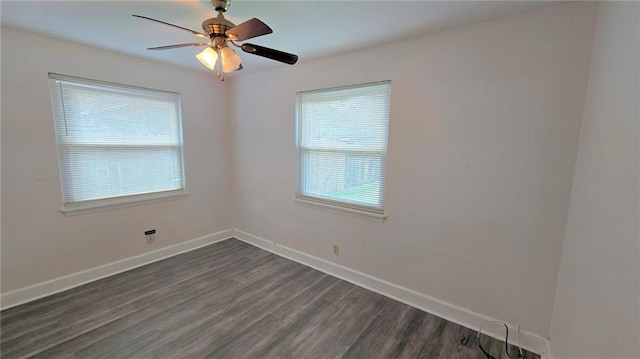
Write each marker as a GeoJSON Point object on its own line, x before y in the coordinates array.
{"type": "Point", "coordinates": [230, 60]}
{"type": "Point", "coordinates": [220, 32]}
{"type": "Point", "coordinates": [208, 58]}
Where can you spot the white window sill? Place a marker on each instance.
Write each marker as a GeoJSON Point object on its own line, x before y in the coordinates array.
{"type": "Point", "coordinates": [376, 217]}
{"type": "Point", "coordinates": [121, 202]}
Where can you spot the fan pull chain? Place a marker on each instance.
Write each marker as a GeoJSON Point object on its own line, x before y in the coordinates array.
{"type": "Point", "coordinates": [218, 65]}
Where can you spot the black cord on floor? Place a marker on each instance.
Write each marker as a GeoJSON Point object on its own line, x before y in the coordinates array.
{"type": "Point", "coordinates": [506, 342]}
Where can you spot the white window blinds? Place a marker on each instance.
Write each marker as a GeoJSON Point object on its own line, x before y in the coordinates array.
{"type": "Point", "coordinates": [115, 140]}
{"type": "Point", "coordinates": [342, 146]}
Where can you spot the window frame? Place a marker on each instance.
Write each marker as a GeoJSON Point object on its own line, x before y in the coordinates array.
{"type": "Point", "coordinates": [118, 201]}
{"type": "Point", "coordinates": [348, 208]}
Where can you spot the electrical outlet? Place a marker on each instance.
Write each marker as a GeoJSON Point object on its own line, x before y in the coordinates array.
{"type": "Point", "coordinates": [336, 249]}
{"type": "Point", "coordinates": [150, 235]}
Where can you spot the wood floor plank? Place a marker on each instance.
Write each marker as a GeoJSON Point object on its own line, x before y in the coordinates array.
{"type": "Point", "coordinates": [230, 300]}
{"type": "Point", "coordinates": [172, 303]}
{"type": "Point", "coordinates": [113, 285]}
{"type": "Point", "coordinates": [84, 323]}
{"type": "Point", "coordinates": [282, 321]}
{"type": "Point", "coordinates": [385, 336]}
{"type": "Point", "coordinates": [99, 296]}
{"type": "Point", "coordinates": [300, 337]}
{"type": "Point", "coordinates": [353, 314]}
{"type": "Point", "coordinates": [198, 321]}
{"type": "Point", "coordinates": [250, 307]}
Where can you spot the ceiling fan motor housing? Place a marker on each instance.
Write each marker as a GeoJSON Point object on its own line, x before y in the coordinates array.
{"type": "Point", "coordinates": [216, 26]}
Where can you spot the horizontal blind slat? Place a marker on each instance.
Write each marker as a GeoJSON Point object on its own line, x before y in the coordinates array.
{"type": "Point", "coordinates": [342, 145]}
{"type": "Point", "coordinates": [116, 140]}
{"type": "Point", "coordinates": [111, 173]}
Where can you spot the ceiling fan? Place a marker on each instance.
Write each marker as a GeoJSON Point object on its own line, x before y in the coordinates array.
{"type": "Point", "coordinates": [219, 32]}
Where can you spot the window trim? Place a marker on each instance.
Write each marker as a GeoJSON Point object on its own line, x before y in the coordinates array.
{"type": "Point", "coordinates": [360, 211]}
{"type": "Point", "coordinates": [373, 216]}
{"type": "Point", "coordinates": [105, 204]}
{"type": "Point", "coordinates": [114, 202]}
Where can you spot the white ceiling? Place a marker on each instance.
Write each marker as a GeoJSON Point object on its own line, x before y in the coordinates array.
{"type": "Point", "coordinates": [310, 29]}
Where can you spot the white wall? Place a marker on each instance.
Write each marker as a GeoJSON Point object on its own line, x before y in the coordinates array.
{"type": "Point", "coordinates": [38, 242]}
{"type": "Point", "coordinates": [597, 305]}
{"type": "Point", "coordinates": [484, 132]}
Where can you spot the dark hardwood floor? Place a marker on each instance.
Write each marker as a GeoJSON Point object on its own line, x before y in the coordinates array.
{"type": "Point", "coordinates": [230, 300]}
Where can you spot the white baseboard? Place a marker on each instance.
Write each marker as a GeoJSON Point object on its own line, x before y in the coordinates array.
{"type": "Point", "coordinates": [36, 291]}
{"type": "Point", "coordinates": [442, 309]}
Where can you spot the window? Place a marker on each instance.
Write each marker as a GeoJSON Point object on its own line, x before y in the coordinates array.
{"type": "Point", "coordinates": [342, 146]}
{"type": "Point", "coordinates": [117, 144]}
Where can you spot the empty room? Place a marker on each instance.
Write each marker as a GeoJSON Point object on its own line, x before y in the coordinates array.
{"type": "Point", "coordinates": [320, 179]}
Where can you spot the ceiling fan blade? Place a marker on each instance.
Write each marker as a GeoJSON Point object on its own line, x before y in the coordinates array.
{"type": "Point", "coordinates": [178, 46]}
{"type": "Point", "coordinates": [199, 34]}
{"type": "Point", "coordinates": [247, 30]}
{"type": "Point", "coordinates": [270, 53]}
